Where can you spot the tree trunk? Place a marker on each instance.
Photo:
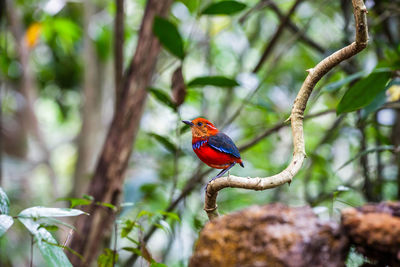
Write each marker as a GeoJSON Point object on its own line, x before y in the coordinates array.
{"type": "Point", "coordinates": [91, 131]}
{"type": "Point", "coordinates": [107, 181]}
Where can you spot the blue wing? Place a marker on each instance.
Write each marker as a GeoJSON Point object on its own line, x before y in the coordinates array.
{"type": "Point", "coordinates": [223, 143]}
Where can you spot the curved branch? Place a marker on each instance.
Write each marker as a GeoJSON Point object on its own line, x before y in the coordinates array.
{"type": "Point", "coordinates": [296, 117]}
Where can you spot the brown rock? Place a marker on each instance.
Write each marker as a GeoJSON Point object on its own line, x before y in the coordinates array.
{"type": "Point", "coordinates": [271, 235]}
{"type": "Point", "coordinates": [374, 229]}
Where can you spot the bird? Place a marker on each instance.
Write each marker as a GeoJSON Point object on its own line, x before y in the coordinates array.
{"type": "Point", "coordinates": [213, 147]}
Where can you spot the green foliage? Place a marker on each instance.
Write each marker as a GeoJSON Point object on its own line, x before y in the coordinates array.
{"type": "Point", "coordinates": [86, 200]}
{"type": "Point", "coordinates": [161, 96]}
{"type": "Point", "coordinates": [192, 5]}
{"type": "Point", "coordinates": [128, 227]}
{"type": "Point", "coordinates": [169, 36]}
{"type": "Point", "coordinates": [220, 81]}
{"type": "Point", "coordinates": [31, 218]}
{"type": "Point", "coordinates": [107, 259]}
{"type": "Point", "coordinates": [365, 152]}
{"type": "Point", "coordinates": [63, 29]}
{"type": "Point", "coordinates": [76, 201]}
{"type": "Point", "coordinates": [4, 202]}
{"type": "Point", "coordinates": [38, 212]}
{"type": "Point", "coordinates": [157, 264]}
{"type": "Point", "coordinates": [334, 86]}
{"type": "Point", "coordinates": [53, 255]}
{"type": "Point", "coordinates": [170, 215]}
{"type": "Point", "coordinates": [103, 43]}
{"type": "Point", "coordinates": [165, 142]}
{"type": "Point", "coordinates": [364, 91]}
{"type": "Point", "coordinates": [225, 49]}
{"type": "Point", "coordinates": [224, 8]}
{"type": "Point", "coordinates": [5, 223]}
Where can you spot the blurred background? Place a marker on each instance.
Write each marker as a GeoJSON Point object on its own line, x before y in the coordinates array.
{"type": "Point", "coordinates": [57, 65]}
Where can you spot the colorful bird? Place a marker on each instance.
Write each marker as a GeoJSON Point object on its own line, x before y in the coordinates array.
{"type": "Point", "coordinates": [213, 147]}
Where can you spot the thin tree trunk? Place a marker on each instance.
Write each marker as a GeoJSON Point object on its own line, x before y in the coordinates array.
{"type": "Point", "coordinates": [28, 89]}
{"type": "Point", "coordinates": [118, 50]}
{"type": "Point", "coordinates": [107, 181]}
{"type": "Point", "coordinates": [91, 110]}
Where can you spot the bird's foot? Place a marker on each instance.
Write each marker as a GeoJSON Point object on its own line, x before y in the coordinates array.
{"type": "Point", "coordinates": [205, 188]}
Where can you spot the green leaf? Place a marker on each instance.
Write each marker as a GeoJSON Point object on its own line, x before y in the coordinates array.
{"type": "Point", "coordinates": [5, 223]}
{"type": "Point", "coordinates": [332, 87]}
{"type": "Point", "coordinates": [378, 102]}
{"type": "Point", "coordinates": [162, 97]}
{"type": "Point", "coordinates": [223, 8]}
{"type": "Point", "coordinates": [163, 225]}
{"type": "Point", "coordinates": [185, 128]}
{"type": "Point", "coordinates": [76, 201]}
{"type": "Point", "coordinates": [169, 36]}
{"type": "Point", "coordinates": [53, 255]}
{"type": "Point", "coordinates": [66, 31]}
{"type": "Point", "coordinates": [145, 213]}
{"type": "Point", "coordinates": [191, 5]}
{"type": "Point", "coordinates": [129, 225]}
{"type": "Point", "coordinates": [107, 205]}
{"type": "Point", "coordinates": [133, 240]}
{"type": "Point", "coordinates": [49, 227]}
{"type": "Point", "coordinates": [133, 250]}
{"type": "Point", "coordinates": [171, 215]}
{"type": "Point", "coordinates": [148, 188]}
{"type": "Point", "coordinates": [165, 142]}
{"type": "Point", "coordinates": [91, 198]}
{"type": "Point", "coordinates": [55, 221]}
{"type": "Point", "coordinates": [364, 91]}
{"type": "Point", "coordinates": [107, 259]}
{"type": "Point", "coordinates": [103, 42]}
{"type": "Point", "coordinates": [40, 212]}
{"type": "Point", "coordinates": [4, 202]}
{"type": "Point", "coordinates": [220, 81]}
{"type": "Point", "coordinates": [157, 264]}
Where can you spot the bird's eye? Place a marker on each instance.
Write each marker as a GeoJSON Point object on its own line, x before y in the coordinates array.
{"type": "Point", "coordinates": [199, 124]}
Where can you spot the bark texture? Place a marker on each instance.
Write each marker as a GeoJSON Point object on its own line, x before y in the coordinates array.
{"type": "Point", "coordinates": [271, 235]}
{"type": "Point", "coordinates": [106, 184]}
{"type": "Point", "coordinates": [374, 229]}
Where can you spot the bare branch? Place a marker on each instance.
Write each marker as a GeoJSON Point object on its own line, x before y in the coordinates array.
{"type": "Point", "coordinates": [268, 49]}
{"type": "Point", "coordinates": [296, 118]}
{"type": "Point", "coordinates": [118, 49]}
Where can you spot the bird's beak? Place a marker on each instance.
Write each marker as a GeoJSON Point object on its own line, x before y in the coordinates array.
{"type": "Point", "coordinates": [188, 123]}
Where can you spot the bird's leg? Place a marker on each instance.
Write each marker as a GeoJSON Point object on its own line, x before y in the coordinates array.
{"type": "Point", "coordinates": [222, 172]}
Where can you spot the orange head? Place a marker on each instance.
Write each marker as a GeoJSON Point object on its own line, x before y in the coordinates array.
{"type": "Point", "coordinates": [201, 128]}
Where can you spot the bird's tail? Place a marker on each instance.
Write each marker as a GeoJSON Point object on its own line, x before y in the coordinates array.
{"type": "Point", "coordinates": [241, 163]}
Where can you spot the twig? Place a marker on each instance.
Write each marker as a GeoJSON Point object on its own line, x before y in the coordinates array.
{"type": "Point", "coordinates": [294, 28]}
{"type": "Point", "coordinates": [367, 188]}
{"type": "Point", "coordinates": [260, 5]}
{"type": "Point", "coordinates": [277, 57]}
{"type": "Point", "coordinates": [29, 90]}
{"type": "Point", "coordinates": [115, 240]}
{"type": "Point", "coordinates": [31, 260]}
{"type": "Point", "coordinates": [275, 37]}
{"type": "Point", "coordinates": [118, 49]}
{"type": "Point", "coordinates": [296, 118]}
{"type": "Point", "coordinates": [277, 127]}
{"type": "Point", "coordinates": [379, 165]}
